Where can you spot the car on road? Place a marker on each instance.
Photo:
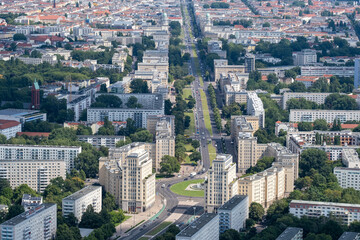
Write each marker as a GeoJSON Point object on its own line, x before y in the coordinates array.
{"type": "Point", "coordinates": [163, 185]}
{"type": "Point", "coordinates": [185, 179]}
{"type": "Point", "coordinates": [203, 138]}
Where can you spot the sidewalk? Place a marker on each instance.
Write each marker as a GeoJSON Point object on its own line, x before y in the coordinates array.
{"type": "Point", "coordinates": [153, 212]}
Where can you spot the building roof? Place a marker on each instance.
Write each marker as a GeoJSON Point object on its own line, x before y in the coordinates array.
{"type": "Point", "coordinates": [81, 193]}
{"type": "Point", "coordinates": [325, 203]}
{"type": "Point", "coordinates": [199, 223]}
{"type": "Point", "coordinates": [28, 214]}
{"type": "Point", "coordinates": [4, 124]}
{"type": "Point", "coordinates": [233, 202]}
{"type": "Point", "coordinates": [289, 233]}
{"type": "Point", "coordinates": [17, 112]}
{"type": "Point", "coordinates": [349, 236]}
{"type": "Point", "coordinates": [34, 134]}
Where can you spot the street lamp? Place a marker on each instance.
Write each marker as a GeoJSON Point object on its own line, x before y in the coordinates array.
{"type": "Point", "coordinates": [194, 212]}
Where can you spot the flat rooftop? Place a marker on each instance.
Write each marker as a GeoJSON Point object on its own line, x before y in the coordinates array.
{"type": "Point", "coordinates": [289, 233]}
{"type": "Point", "coordinates": [233, 202]}
{"type": "Point", "coordinates": [17, 112]}
{"type": "Point", "coordinates": [349, 236]}
{"type": "Point", "coordinates": [199, 223]}
{"type": "Point", "coordinates": [81, 193]}
{"type": "Point", "coordinates": [28, 214]}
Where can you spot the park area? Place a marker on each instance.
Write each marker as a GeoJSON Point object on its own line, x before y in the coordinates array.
{"type": "Point", "coordinates": [181, 188]}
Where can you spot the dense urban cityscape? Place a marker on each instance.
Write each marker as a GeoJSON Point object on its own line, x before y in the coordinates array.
{"type": "Point", "coordinates": [179, 120]}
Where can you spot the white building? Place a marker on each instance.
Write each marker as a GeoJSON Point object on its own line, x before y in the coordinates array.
{"type": "Point", "coordinates": [348, 213]}
{"type": "Point", "coordinates": [305, 57]}
{"type": "Point", "coordinates": [233, 213]}
{"type": "Point", "coordinates": [40, 152]}
{"type": "Point", "coordinates": [291, 233]}
{"type": "Point", "coordinates": [38, 223]}
{"type": "Point", "coordinates": [22, 115]}
{"type": "Point", "coordinates": [255, 107]}
{"type": "Point", "coordinates": [205, 227]}
{"type": "Point", "coordinates": [307, 115]}
{"type": "Point", "coordinates": [348, 177]}
{"type": "Point", "coordinates": [29, 202]}
{"type": "Point", "coordinates": [220, 185]}
{"type": "Point", "coordinates": [9, 128]}
{"type": "Point", "coordinates": [101, 140]}
{"type": "Point", "coordinates": [327, 70]}
{"type": "Point", "coordinates": [318, 98]}
{"type": "Point", "coordinates": [350, 158]}
{"type": "Point", "coordinates": [78, 105]}
{"type": "Point", "coordinates": [78, 202]}
{"type": "Point", "coordinates": [357, 74]}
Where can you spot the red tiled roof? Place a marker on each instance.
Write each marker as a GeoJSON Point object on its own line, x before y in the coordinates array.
{"type": "Point", "coordinates": [349, 126]}
{"type": "Point", "coordinates": [4, 124]}
{"type": "Point", "coordinates": [34, 134]}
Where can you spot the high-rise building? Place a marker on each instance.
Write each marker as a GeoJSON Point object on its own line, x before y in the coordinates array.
{"type": "Point", "coordinates": [164, 141]}
{"type": "Point", "coordinates": [205, 227]}
{"type": "Point", "coordinates": [305, 57]}
{"type": "Point", "coordinates": [78, 202]}
{"type": "Point", "coordinates": [221, 184]}
{"type": "Point", "coordinates": [357, 73]}
{"type": "Point", "coordinates": [348, 177]}
{"type": "Point", "coordinates": [233, 213]}
{"type": "Point", "coordinates": [249, 62]}
{"type": "Point", "coordinates": [127, 174]}
{"type": "Point", "coordinates": [255, 107]}
{"type": "Point", "coordinates": [37, 223]}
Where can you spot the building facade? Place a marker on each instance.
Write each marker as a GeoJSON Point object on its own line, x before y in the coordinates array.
{"type": "Point", "coordinates": [101, 140]}
{"type": "Point", "coordinates": [255, 107]}
{"type": "Point", "coordinates": [164, 141]}
{"type": "Point", "coordinates": [205, 227]}
{"type": "Point", "coordinates": [37, 223]}
{"type": "Point", "coordinates": [305, 57]}
{"type": "Point", "coordinates": [291, 233]}
{"type": "Point", "coordinates": [221, 184]}
{"type": "Point", "coordinates": [78, 202]}
{"type": "Point", "coordinates": [348, 177]}
{"type": "Point", "coordinates": [306, 115]}
{"type": "Point", "coordinates": [233, 213]}
{"type": "Point", "coordinates": [9, 128]}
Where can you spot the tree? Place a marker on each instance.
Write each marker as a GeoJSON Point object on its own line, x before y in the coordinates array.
{"type": "Point", "coordinates": [297, 86]}
{"type": "Point", "coordinates": [14, 210]}
{"type": "Point", "coordinates": [336, 101]}
{"type": "Point", "coordinates": [266, 25]}
{"type": "Point", "coordinates": [142, 136]}
{"type": "Point", "coordinates": [312, 158]}
{"type": "Point", "coordinates": [88, 161]}
{"type": "Point", "coordinates": [19, 37]}
{"type": "Point", "coordinates": [107, 101]}
{"type": "Point", "coordinates": [68, 46]}
{"type": "Point", "coordinates": [123, 143]}
{"type": "Point", "coordinates": [256, 211]}
{"type": "Point", "coordinates": [230, 234]}
{"type": "Point", "coordinates": [187, 121]}
{"type": "Point", "coordinates": [272, 78]}
{"type": "Point", "coordinates": [133, 102]}
{"type": "Point", "coordinates": [169, 165]}
{"type": "Point", "coordinates": [117, 216]}
{"type": "Point", "coordinates": [91, 219]}
{"type": "Point", "coordinates": [107, 128]}
{"type": "Point", "coordinates": [108, 202]}
{"type": "Point", "coordinates": [195, 144]}
{"type": "Point", "coordinates": [336, 126]}
{"type": "Point", "coordinates": [195, 156]}
{"type": "Point", "coordinates": [357, 129]}
{"type": "Point", "coordinates": [139, 86]}
{"type": "Point", "coordinates": [305, 126]}
{"type": "Point", "coordinates": [320, 124]}
{"type": "Point", "coordinates": [64, 232]}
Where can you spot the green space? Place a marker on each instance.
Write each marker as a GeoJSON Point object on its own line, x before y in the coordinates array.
{"type": "Point", "coordinates": [186, 94]}
{"type": "Point", "coordinates": [212, 152]}
{"type": "Point", "coordinates": [126, 218]}
{"type": "Point", "coordinates": [206, 112]}
{"type": "Point", "coordinates": [144, 238]}
{"type": "Point", "coordinates": [179, 188]}
{"type": "Point", "coordinates": [191, 130]}
{"type": "Point", "coordinates": [158, 229]}
{"type": "Point", "coordinates": [189, 148]}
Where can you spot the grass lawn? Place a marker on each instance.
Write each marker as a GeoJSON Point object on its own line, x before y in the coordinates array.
{"type": "Point", "coordinates": [179, 188]}
{"type": "Point", "coordinates": [206, 112]}
{"type": "Point", "coordinates": [188, 147]}
{"type": "Point", "coordinates": [158, 228]}
{"type": "Point", "coordinates": [191, 130]}
{"type": "Point", "coordinates": [212, 152]}
{"type": "Point", "coordinates": [186, 94]}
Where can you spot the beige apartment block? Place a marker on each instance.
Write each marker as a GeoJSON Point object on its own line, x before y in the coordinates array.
{"type": "Point", "coordinates": [165, 142]}
{"type": "Point", "coordinates": [221, 184]}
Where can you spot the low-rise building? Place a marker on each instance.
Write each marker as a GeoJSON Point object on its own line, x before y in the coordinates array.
{"type": "Point", "coordinates": [22, 115]}
{"type": "Point", "coordinates": [221, 184]}
{"type": "Point", "coordinates": [29, 202]}
{"type": "Point", "coordinates": [101, 140]}
{"type": "Point", "coordinates": [291, 233]}
{"type": "Point", "coordinates": [308, 115]}
{"type": "Point", "coordinates": [233, 213]}
{"type": "Point", "coordinates": [350, 236]}
{"type": "Point", "coordinates": [205, 227]}
{"type": "Point", "coordinates": [318, 98]}
{"type": "Point", "coordinates": [346, 212]}
{"type": "Point", "coordinates": [37, 223]}
{"type": "Point", "coordinates": [9, 128]}
{"type": "Point", "coordinates": [78, 202]}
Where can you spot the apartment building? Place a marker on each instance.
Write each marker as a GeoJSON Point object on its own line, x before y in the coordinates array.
{"type": "Point", "coordinates": [101, 140]}
{"type": "Point", "coordinates": [221, 67]}
{"type": "Point", "coordinates": [9, 128]}
{"type": "Point", "coordinates": [12, 152]}
{"type": "Point", "coordinates": [248, 151]}
{"type": "Point", "coordinates": [78, 105]}
{"type": "Point", "coordinates": [35, 173]}
{"type": "Point", "coordinates": [307, 115]}
{"type": "Point", "coordinates": [22, 115]}
{"type": "Point", "coordinates": [348, 177]}
{"type": "Point", "coordinates": [267, 186]}
{"type": "Point", "coordinates": [327, 70]}
{"type": "Point", "coordinates": [255, 107]}
{"type": "Point", "coordinates": [357, 73]}
{"type": "Point", "coordinates": [318, 98]}
{"type": "Point", "coordinates": [348, 213]}
{"type": "Point", "coordinates": [221, 184]}
{"type": "Point", "coordinates": [152, 104]}
{"type": "Point", "coordinates": [304, 57]}
{"type": "Point", "coordinates": [249, 62]}
{"type": "Point", "coordinates": [78, 202]}
{"type": "Point", "coordinates": [205, 227]}
{"type": "Point", "coordinates": [37, 223]}
{"type": "Point", "coordinates": [127, 174]}
{"type": "Point", "coordinates": [291, 233]}
{"type": "Point", "coordinates": [233, 213]}
{"type": "Point", "coordinates": [240, 124]}
{"type": "Point", "coordinates": [152, 121]}
{"type": "Point", "coordinates": [350, 236]}
{"type": "Point", "coordinates": [164, 141]}
{"type": "Point", "coordinates": [350, 158]}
